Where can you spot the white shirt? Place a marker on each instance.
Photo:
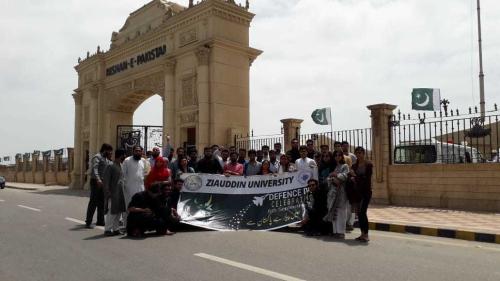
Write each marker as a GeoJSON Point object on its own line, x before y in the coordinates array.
{"type": "Point", "coordinates": [308, 165]}
{"type": "Point", "coordinates": [134, 172]}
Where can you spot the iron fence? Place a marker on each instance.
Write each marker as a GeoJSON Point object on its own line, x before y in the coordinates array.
{"type": "Point", "coordinates": [355, 138]}
{"type": "Point", "coordinates": [256, 142]}
{"type": "Point", "coordinates": [145, 136]}
{"type": "Point", "coordinates": [444, 139]}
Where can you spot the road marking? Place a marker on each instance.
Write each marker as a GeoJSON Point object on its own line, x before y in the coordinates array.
{"type": "Point", "coordinates": [82, 222]}
{"type": "Point", "coordinates": [249, 267]}
{"type": "Point", "coordinates": [29, 208]}
{"type": "Point", "coordinates": [438, 242]}
{"type": "Point", "coordinates": [1, 200]}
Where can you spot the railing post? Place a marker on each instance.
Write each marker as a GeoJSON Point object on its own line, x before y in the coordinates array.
{"type": "Point", "coordinates": [291, 129]}
{"type": "Point", "coordinates": [381, 148]}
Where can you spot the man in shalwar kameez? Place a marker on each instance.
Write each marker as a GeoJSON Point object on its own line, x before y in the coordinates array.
{"type": "Point", "coordinates": [134, 170]}
{"type": "Point", "coordinates": [114, 202]}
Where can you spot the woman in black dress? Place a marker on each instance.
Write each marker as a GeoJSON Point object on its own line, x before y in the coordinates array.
{"type": "Point", "coordinates": [362, 178]}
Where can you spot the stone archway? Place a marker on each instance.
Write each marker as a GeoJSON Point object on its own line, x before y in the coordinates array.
{"type": "Point", "coordinates": [196, 58]}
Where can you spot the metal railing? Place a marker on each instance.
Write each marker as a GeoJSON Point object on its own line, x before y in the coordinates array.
{"type": "Point", "coordinates": [444, 139]}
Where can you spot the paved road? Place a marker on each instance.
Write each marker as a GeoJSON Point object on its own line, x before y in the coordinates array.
{"type": "Point", "coordinates": [41, 239]}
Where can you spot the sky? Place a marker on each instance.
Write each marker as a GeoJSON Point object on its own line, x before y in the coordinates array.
{"type": "Point", "coordinates": [343, 54]}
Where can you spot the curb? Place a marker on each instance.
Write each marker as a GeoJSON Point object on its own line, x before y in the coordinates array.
{"type": "Point", "coordinates": [437, 232]}
{"type": "Point", "coordinates": [21, 188]}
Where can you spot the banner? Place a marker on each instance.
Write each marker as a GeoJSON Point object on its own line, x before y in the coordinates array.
{"type": "Point", "coordinates": [234, 203]}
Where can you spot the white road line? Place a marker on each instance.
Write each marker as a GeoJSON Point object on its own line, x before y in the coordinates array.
{"type": "Point", "coordinates": [82, 222]}
{"type": "Point", "coordinates": [29, 208]}
{"type": "Point", "coordinates": [249, 267]}
{"type": "Point", "coordinates": [1, 200]}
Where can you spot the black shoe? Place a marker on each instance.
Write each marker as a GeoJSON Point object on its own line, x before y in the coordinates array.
{"type": "Point", "coordinates": [89, 226]}
{"type": "Point", "coordinates": [99, 224]}
{"type": "Point", "coordinates": [108, 233]}
{"type": "Point", "coordinates": [118, 232]}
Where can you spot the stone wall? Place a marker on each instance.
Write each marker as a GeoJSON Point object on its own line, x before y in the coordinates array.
{"type": "Point", "coordinates": [474, 187]}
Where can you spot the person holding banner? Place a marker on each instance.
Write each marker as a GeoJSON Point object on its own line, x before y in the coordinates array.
{"type": "Point", "coordinates": [337, 198]}
{"type": "Point", "coordinates": [285, 166]}
{"type": "Point", "coordinates": [233, 168]}
{"type": "Point", "coordinates": [315, 209]}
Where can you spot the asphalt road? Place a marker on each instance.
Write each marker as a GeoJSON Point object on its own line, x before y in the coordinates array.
{"type": "Point", "coordinates": [41, 239]}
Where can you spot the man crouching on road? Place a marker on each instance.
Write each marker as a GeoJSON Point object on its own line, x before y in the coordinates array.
{"type": "Point", "coordinates": [147, 211]}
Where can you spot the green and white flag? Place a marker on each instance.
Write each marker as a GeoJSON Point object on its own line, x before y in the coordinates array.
{"type": "Point", "coordinates": [425, 99]}
{"type": "Point", "coordinates": [322, 116]}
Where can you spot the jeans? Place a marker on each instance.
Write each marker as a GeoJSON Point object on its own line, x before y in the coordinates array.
{"type": "Point", "coordinates": [96, 202]}
{"type": "Point", "coordinates": [362, 214]}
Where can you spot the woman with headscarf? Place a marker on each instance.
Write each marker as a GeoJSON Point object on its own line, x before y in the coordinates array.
{"type": "Point", "coordinates": [159, 173]}
{"type": "Point", "coordinates": [337, 198]}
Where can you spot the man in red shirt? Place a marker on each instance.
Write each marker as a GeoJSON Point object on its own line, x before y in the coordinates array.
{"type": "Point", "coordinates": [233, 168]}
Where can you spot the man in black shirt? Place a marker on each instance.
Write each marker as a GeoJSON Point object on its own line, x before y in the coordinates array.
{"type": "Point", "coordinates": [294, 152]}
{"type": "Point", "coordinates": [208, 164]}
{"type": "Point", "coordinates": [146, 212]}
{"type": "Point", "coordinates": [316, 209]}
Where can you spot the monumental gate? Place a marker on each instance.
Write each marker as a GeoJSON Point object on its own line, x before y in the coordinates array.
{"type": "Point", "coordinates": [197, 58]}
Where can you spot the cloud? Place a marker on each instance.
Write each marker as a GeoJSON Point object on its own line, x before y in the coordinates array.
{"type": "Point", "coordinates": [340, 53]}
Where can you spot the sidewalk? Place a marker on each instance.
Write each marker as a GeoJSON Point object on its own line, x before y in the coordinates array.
{"type": "Point", "coordinates": [473, 226]}
{"type": "Point", "coordinates": [31, 186]}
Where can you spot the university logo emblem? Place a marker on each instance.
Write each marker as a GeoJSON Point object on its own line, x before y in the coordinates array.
{"type": "Point", "coordinates": [304, 176]}
{"type": "Point", "coordinates": [193, 183]}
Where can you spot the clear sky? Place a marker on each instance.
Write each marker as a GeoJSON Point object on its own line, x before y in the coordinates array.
{"type": "Point", "coordinates": [340, 53]}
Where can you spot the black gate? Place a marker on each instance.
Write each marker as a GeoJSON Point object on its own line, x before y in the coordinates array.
{"type": "Point", "coordinates": [146, 136]}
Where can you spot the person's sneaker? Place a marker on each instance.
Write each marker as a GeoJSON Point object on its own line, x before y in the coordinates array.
{"type": "Point", "coordinates": [89, 226]}
{"type": "Point", "coordinates": [118, 232]}
{"type": "Point", "coordinates": [109, 233]}
{"type": "Point", "coordinates": [99, 224]}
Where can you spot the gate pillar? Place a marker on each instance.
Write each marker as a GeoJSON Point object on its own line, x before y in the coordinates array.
{"type": "Point", "coordinates": [291, 130]}
{"type": "Point", "coordinates": [381, 146]}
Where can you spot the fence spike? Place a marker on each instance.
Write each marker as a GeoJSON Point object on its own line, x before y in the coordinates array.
{"type": "Point", "coordinates": [409, 116]}
{"type": "Point", "coordinates": [399, 114]}
{"type": "Point", "coordinates": [496, 108]}
{"type": "Point", "coordinates": [470, 110]}
{"type": "Point", "coordinates": [475, 109]}
{"type": "Point", "coordinates": [458, 112]}
{"type": "Point", "coordinates": [451, 112]}
{"type": "Point", "coordinates": [435, 114]}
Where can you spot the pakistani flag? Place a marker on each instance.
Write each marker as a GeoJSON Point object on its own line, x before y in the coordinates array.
{"type": "Point", "coordinates": [425, 99]}
{"type": "Point", "coordinates": [322, 116]}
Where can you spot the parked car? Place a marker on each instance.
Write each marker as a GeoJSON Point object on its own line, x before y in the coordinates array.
{"type": "Point", "coordinates": [432, 151]}
{"type": "Point", "coordinates": [2, 182]}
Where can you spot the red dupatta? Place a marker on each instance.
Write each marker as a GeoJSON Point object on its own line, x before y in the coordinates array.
{"type": "Point", "coordinates": [159, 172]}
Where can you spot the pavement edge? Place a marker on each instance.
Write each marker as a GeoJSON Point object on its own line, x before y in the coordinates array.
{"type": "Point", "coordinates": [438, 232]}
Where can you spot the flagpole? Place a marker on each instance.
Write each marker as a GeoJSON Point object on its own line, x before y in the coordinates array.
{"type": "Point", "coordinates": [481, 74]}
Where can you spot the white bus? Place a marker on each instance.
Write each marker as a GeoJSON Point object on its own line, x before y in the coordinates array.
{"type": "Point", "coordinates": [432, 151]}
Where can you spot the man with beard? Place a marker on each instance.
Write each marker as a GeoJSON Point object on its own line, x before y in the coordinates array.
{"type": "Point", "coordinates": [233, 168]}
{"type": "Point", "coordinates": [98, 164]}
{"type": "Point", "coordinates": [114, 203]}
{"type": "Point", "coordinates": [134, 171]}
{"type": "Point", "coordinates": [148, 212]}
{"type": "Point", "coordinates": [208, 164]}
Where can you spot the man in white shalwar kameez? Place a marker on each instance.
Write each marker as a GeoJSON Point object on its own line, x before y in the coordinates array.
{"type": "Point", "coordinates": [134, 171]}
{"type": "Point", "coordinates": [306, 164]}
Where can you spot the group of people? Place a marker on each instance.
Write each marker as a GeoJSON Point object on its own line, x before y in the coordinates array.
{"type": "Point", "coordinates": [141, 191]}
{"type": "Point", "coordinates": [118, 192]}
